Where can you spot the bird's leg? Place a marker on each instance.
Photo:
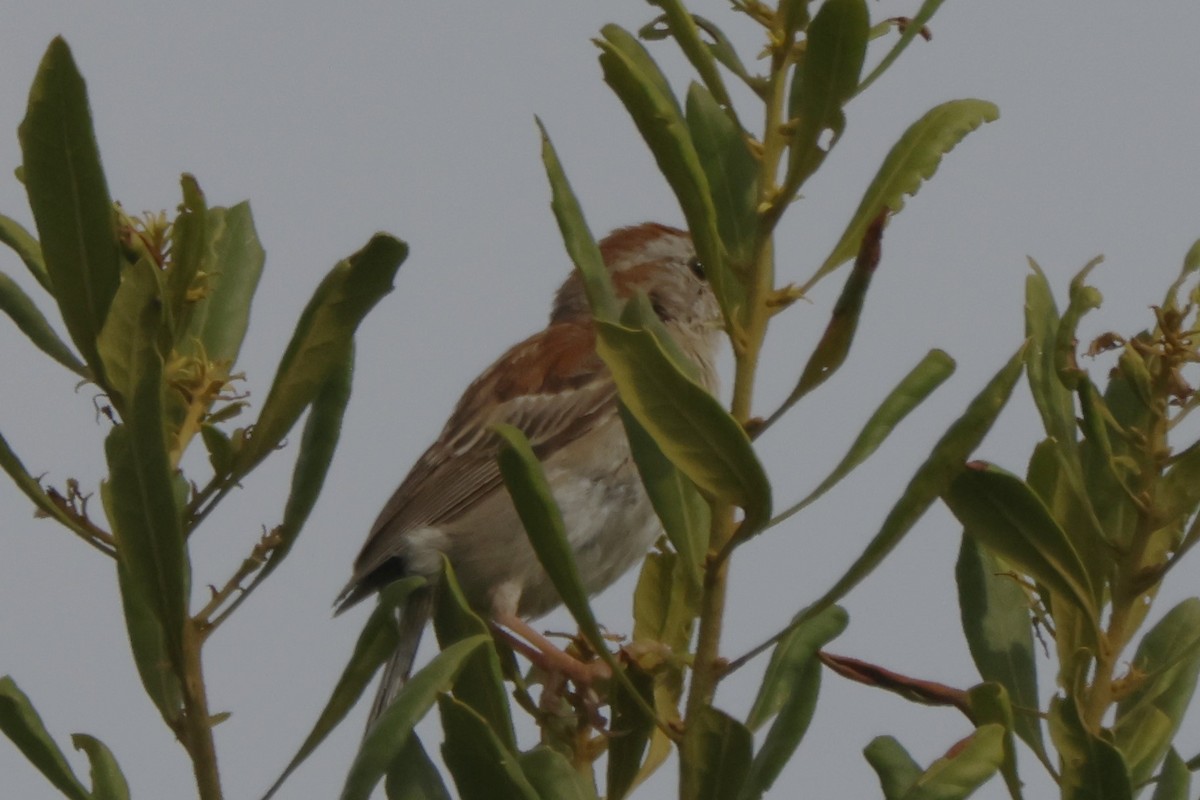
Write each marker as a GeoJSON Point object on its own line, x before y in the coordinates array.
{"type": "Point", "coordinates": [545, 654]}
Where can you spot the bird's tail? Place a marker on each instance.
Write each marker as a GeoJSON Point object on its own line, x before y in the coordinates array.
{"type": "Point", "coordinates": [413, 618]}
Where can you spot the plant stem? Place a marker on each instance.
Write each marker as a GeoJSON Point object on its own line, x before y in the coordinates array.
{"type": "Point", "coordinates": [196, 734]}
{"type": "Point", "coordinates": [749, 332]}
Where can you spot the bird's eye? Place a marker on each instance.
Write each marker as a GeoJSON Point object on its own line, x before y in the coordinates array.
{"type": "Point", "coordinates": [696, 267]}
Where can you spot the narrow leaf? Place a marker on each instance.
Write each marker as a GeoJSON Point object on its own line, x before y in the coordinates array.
{"type": "Point", "coordinates": [913, 389]}
{"type": "Point", "coordinates": [31, 321]}
{"type": "Point", "coordinates": [990, 704]}
{"type": "Point", "coordinates": [108, 782]}
{"type": "Point", "coordinates": [964, 769]}
{"type": "Point", "coordinates": [795, 683]}
{"type": "Point", "coordinates": [911, 29]}
{"type": "Point", "coordinates": [189, 240]}
{"type": "Point", "coordinates": [413, 775]}
{"type": "Point", "coordinates": [687, 33]}
{"type": "Point", "coordinates": [629, 733]}
{"type": "Point", "coordinates": [896, 769]}
{"type": "Point", "coordinates": [996, 621]}
{"type": "Point", "coordinates": [13, 234]}
{"type": "Point", "coordinates": [690, 426]}
{"type": "Point", "coordinates": [69, 197]}
{"type": "Point", "coordinates": [391, 731]}
{"type": "Point", "coordinates": [322, 430]}
{"type": "Point", "coordinates": [22, 725]}
{"type": "Point", "coordinates": [1092, 768]}
{"type": "Point", "coordinates": [552, 776]}
{"type": "Point", "coordinates": [32, 489]}
{"type": "Point", "coordinates": [1168, 658]}
{"type": "Point", "coordinates": [232, 264]}
{"type": "Point", "coordinates": [790, 660]}
{"type": "Point", "coordinates": [144, 511]}
{"type": "Point", "coordinates": [1007, 517]}
{"type": "Point", "coordinates": [831, 351]}
{"type": "Point", "coordinates": [731, 171]}
{"type": "Point", "coordinates": [375, 644]}
{"type": "Point", "coordinates": [911, 161]}
{"type": "Point", "coordinates": [930, 481]}
{"type": "Point", "coordinates": [580, 243]}
{"type": "Point", "coordinates": [481, 682]}
{"type": "Point", "coordinates": [717, 748]}
{"type": "Point", "coordinates": [680, 507]}
{"type": "Point", "coordinates": [482, 766]}
{"type": "Point", "coordinates": [321, 341]}
{"type": "Point", "coordinates": [530, 493]}
{"type": "Point", "coordinates": [1174, 780]}
{"type": "Point", "coordinates": [824, 81]}
{"type": "Point", "coordinates": [632, 74]}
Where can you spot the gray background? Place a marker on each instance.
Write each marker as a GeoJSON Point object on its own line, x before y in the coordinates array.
{"type": "Point", "coordinates": [417, 118]}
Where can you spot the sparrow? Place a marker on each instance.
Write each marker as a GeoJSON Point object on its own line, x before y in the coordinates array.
{"type": "Point", "coordinates": [554, 388]}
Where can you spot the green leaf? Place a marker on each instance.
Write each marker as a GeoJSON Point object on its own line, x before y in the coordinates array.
{"type": "Point", "coordinates": [639, 84]}
{"type": "Point", "coordinates": [731, 171]}
{"type": "Point", "coordinates": [133, 326]}
{"type": "Point", "coordinates": [1083, 298]}
{"type": "Point", "coordinates": [580, 243]}
{"type": "Point", "coordinates": [896, 769]}
{"type": "Point", "coordinates": [912, 28]}
{"type": "Point", "coordinates": [964, 769]}
{"type": "Point", "coordinates": [790, 686]}
{"type": "Point", "coordinates": [913, 389]}
{"type": "Point", "coordinates": [321, 341]}
{"type": "Point", "coordinates": [22, 725]}
{"type": "Point", "coordinates": [680, 507]}
{"type": "Point", "coordinates": [912, 160]}
{"type": "Point", "coordinates": [189, 239]}
{"type": "Point", "coordinates": [717, 748]}
{"type": "Point", "coordinates": [31, 321]}
{"type": "Point", "coordinates": [69, 197]}
{"type": "Point", "coordinates": [322, 430]}
{"type": "Point", "coordinates": [1092, 769]}
{"type": "Point", "coordinates": [388, 737]}
{"type": "Point", "coordinates": [13, 234]}
{"type": "Point", "coordinates": [232, 264]}
{"type": "Point", "coordinates": [1169, 659]}
{"type": "Point", "coordinates": [1191, 265]}
{"type": "Point", "coordinates": [147, 638]}
{"type": "Point", "coordinates": [831, 351]}
{"type": "Point", "coordinates": [790, 661]}
{"type": "Point", "coordinates": [996, 621]}
{"type": "Point", "coordinates": [481, 681]}
{"type": "Point", "coordinates": [526, 484]}
{"type": "Point", "coordinates": [690, 426]}
{"type": "Point", "coordinates": [989, 703]}
{"type": "Point", "coordinates": [687, 33]}
{"type": "Point", "coordinates": [34, 491]}
{"type": "Point", "coordinates": [1174, 779]}
{"type": "Point", "coordinates": [482, 766]}
{"type": "Point", "coordinates": [413, 775]}
{"type": "Point", "coordinates": [141, 501]}
{"type": "Point", "coordinates": [552, 776]}
{"type": "Point", "coordinates": [1008, 518]}
{"type": "Point", "coordinates": [374, 646]}
{"type": "Point", "coordinates": [629, 732]}
{"type": "Point", "coordinates": [930, 481]}
{"type": "Point", "coordinates": [720, 47]}
{"type": "Point", "coordinates": [108, 782]}
{"type": "Point", "coordinates": [824, 81]}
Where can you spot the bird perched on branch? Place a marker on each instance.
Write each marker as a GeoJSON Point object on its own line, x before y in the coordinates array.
{"type": "Point", "coordinates": [554, 388]}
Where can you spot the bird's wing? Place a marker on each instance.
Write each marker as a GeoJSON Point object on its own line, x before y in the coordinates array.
{"type": "Point", "coordinates": [552, 386]}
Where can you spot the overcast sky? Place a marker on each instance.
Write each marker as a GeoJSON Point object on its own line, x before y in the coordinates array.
{"type": "Point", "coordinates": [338, 120]}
